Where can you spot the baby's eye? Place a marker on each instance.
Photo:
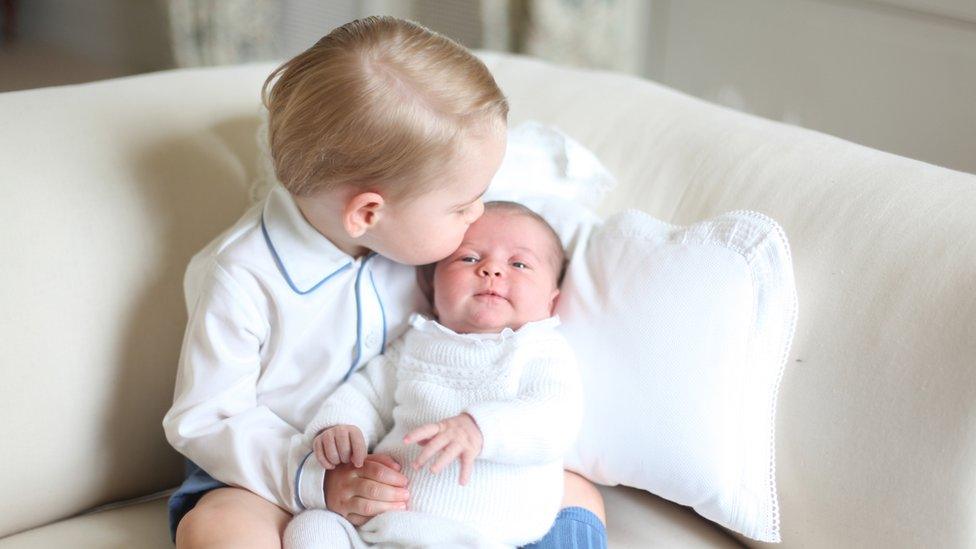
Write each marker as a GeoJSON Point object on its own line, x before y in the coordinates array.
{"type": "Point", "coordinates": [469, 259]}
{"type": "Point", "coordinates": [519, 265]}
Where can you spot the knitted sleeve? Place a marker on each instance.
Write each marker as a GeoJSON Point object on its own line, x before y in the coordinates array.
{"type": "Point", "coordinates": [540, 424]}
{"type": "Point", "coordinates": [366, 400]}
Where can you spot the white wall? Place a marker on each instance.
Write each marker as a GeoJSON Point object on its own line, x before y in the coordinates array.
{"type": "Point", "coordinates": [897, 75]}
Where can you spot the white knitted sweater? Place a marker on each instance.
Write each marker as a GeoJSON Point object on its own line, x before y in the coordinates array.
{"type": "Point", "coordinates": [521, 387]}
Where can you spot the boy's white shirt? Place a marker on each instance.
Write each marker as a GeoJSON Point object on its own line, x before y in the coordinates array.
{"type": "Point", "coordinates": [277, 319]}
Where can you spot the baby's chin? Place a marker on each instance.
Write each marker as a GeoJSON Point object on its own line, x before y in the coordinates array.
{"type": "Point", "coordinates": [485, 322]}
{"type": "Point", "coordinates": [478, 321]}
{"type": "Point", "coordinates": [474, 326]}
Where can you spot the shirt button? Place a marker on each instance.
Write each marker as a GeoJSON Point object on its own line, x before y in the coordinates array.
{"type": "Point", "coordinates": [372, 340]}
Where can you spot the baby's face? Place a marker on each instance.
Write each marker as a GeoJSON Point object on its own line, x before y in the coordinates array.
{"type": "Point", "coordinates": [502, 275]}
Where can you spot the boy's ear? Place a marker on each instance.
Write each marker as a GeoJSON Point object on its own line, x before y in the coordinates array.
{"type": "Point", "coordinates": [361, 213]}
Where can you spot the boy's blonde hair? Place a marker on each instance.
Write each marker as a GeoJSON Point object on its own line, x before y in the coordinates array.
{"type": "Point", "coordinates": [379, 103]}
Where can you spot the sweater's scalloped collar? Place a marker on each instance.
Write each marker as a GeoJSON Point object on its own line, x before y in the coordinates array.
{"type": "Point", "coordinates": [431, 326]}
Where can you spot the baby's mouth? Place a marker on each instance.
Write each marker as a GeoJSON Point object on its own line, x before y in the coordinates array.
{"type": "Point", "coordinates": [490, 295]}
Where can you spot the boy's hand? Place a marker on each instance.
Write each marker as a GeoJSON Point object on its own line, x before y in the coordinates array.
{"type": "Point", "coordinates": [360, 493]}
{"type": "Point", "coordinates": [340, 444]}
{"type": "Point", "coordinates": [456, 436]}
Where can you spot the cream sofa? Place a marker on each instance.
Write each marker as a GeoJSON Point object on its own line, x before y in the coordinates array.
{"type": "Point", "coordinates": [110, 187]}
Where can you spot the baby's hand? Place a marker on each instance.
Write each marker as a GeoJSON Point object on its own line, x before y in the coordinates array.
{"type": "Point", "coordinates": [456, 436]}
{"type": "Point", "coordinates": [340, 444]}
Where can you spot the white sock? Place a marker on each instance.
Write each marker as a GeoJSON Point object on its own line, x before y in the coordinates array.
{"type": "Point", "coordinates": [320, 529]}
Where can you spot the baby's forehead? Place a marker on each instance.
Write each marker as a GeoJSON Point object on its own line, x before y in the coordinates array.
{"type": "Point", "coordinates": [542, 238]}
{"type": "Point", "coordinates": [528, 225]}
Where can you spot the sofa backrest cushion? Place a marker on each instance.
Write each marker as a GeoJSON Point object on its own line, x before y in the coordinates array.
{"type": "Point", "coordinates": [108, 190]}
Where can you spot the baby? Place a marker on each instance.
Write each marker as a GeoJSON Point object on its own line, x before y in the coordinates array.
{"type": "Point", "coordinates": [487, 395]}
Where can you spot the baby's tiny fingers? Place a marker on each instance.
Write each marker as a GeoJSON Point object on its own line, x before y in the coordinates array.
{"type": "Point", "coordinates": [429, 450]}
{"type": "Point", "coordinates": [358, 449]}
{"type": "Point", "coordinates": [342, 444]}
{"type": "Point", "coordinates": [467, 465]}
{"type": "Point", "coordinates": [320, 454]}
{"type": "Point", "coordinates": [423, 432]}
{"type": "Point", "coordinates": [447, 456]}
{"type": "Point", "coordinates": [331, 453]}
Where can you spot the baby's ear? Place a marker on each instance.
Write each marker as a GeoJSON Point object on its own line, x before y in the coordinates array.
{"type": "Point", "coordinates": [425, 280]}
{"type": "Point", "coordinates": [553, 301]}
{"type": "Point", "coordinates": [361, 213]}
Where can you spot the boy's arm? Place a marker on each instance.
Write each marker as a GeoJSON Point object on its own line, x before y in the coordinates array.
{"type": "Point", "coordinates": [541, 423]}
{"type": "Point", "coordinates": [366, 400]}
{"type": "Point", "coordinates": [216, 420]}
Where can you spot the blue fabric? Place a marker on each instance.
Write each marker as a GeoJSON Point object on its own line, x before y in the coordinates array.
{"type": "Point", "coordinates": [197, 483]}
{"type": "Point", "coordinates": [576, 528]}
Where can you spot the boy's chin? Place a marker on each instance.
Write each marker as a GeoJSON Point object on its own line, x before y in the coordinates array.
{"type": "Point", "coordinates": [413, 258]}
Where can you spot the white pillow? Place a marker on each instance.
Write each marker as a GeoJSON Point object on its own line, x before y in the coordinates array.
{"type": "Point", "coordinates": [552, 174]}
{"type": "Point", "coordinates": [541, 160]}
{"type": "Point", "coordinates": [682, 334]}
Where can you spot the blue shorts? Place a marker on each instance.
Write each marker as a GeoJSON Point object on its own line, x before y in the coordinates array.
{"type": "Point", "coordinates": [197, 483]}
{"type": "Point", "coordinates": [574, 526]}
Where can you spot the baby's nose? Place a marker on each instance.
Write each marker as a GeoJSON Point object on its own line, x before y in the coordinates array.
{"type": "Point", "coordinates": [486, 271]}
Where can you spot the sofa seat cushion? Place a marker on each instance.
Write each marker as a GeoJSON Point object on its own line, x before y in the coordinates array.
{"type": "Point", "coordinates": [140, 525]}
{"type": "Point", "coordinates": [637, 519]}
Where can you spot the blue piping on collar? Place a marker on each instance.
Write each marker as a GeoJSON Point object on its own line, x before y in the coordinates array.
{"type": "Point", "coordinates": [284, 273]}
{"type": "Point", "coordinates": [382, 310]}
{"type": "Point", "coordinates": [359, 319]}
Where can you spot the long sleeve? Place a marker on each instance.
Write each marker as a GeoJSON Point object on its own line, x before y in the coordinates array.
{"type": "Point", "coordinates": [540, 424]}
{"type": "Point", "coordinates": [366, 400]}
{"type": "Point", "coordinates": [216, 419]}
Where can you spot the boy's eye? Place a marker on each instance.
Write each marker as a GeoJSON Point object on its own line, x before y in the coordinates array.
{"type": "Point", "coordinates": [519, 265]}
{"type": "Point", "coordinates": [469, 259]}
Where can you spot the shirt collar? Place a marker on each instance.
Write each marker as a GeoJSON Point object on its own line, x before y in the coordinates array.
{"type": "Point", "coordinates": [431, 326]}
{"type": "Point", "coordinates": [305, 258]}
